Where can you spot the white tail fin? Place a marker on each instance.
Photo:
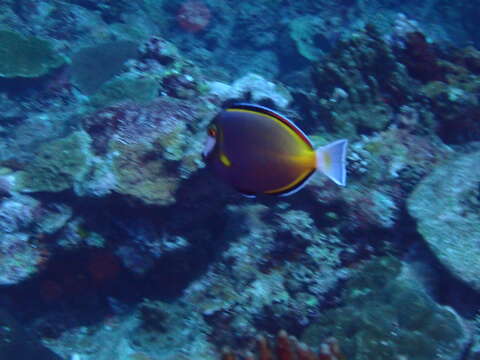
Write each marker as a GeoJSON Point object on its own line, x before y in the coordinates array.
{"type": "Point", "coordinates": [331, 161]}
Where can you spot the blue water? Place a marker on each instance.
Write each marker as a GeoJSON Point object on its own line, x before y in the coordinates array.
{"type": "Point", "coordinates": [119, 240]}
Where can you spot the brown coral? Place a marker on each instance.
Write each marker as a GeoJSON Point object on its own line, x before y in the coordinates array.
{"type": "Point", "coordinates": [288, 348]}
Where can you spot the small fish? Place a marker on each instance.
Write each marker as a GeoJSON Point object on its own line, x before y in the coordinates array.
{"type": "Point", "coordinates": [259, 151]}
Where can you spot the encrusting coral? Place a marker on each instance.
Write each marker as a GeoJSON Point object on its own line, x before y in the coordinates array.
{"type": "Point", "coordinates": [26, 57]}
{"type": "Point", "coordinates": [289, 348]}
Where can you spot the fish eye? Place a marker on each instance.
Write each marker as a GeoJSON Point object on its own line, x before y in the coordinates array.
{"type": "Point", "coordinates": [212, 132]}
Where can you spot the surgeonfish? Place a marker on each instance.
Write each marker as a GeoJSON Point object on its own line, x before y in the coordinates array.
{"type": "Point", "coordinates": [258, 151]}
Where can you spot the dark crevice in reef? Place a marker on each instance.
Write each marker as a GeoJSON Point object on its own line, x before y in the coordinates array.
{"type": "Point", "coordinates": [84, 285]}
{"type": "Point", "coordinates": [445, 288]}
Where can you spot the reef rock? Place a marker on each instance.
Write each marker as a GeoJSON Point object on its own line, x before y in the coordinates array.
{"type": "Point", "coordinates": [151, 147]}
{"type": "Point", "coordinates": [93, 66]}
{"type": "Point", "coordinates": [387, 315]}
{"type": "Point", "coordinates": [59, 164]}
{"type": "Point", "coordinates": [253, 87]}
{"type": "Point", "coordinates": [19, 344]}
{"type": "Point", "coordinates": [348, 83]}
{"type": "Point", "coordinates": [445, 205]}
{"type": "Point", "coordinates": [26, 57]}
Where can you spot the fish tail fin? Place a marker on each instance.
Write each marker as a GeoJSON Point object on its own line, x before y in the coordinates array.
{"type": "Point", "coordinates": [331, 160]}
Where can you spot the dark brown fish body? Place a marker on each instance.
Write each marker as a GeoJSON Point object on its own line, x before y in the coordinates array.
{"type": "Point", "coordinates": [258, 151]}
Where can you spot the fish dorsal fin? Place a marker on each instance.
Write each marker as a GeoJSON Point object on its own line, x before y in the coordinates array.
{"type": "Point", "coordinates": [262, 110]}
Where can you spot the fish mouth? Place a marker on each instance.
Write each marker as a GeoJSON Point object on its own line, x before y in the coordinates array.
{"type": "Point", "coordinates": [208, 147]}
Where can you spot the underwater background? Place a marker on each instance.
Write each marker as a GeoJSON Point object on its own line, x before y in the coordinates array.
{"type": "Point", "coordinates": [118, 243]}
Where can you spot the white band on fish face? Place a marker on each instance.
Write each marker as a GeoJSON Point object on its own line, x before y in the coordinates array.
{"type": "Point", "coordinates": [209, 145]}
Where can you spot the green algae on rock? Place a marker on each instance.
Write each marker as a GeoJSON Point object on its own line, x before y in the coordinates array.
{"type": "Point", "coordinates": [58, 165]}
{"type": "Point", "coordinates": [445, 205]}
{"type": "Point", "coordinates": [151, 182]}
{"type": "Point", "coordinates": [126, 88]}
{"type": "Point", "coordinates": [93, 66]}
{"type": "Point", "coordinates": [27, 57]}
{"type": "Point", "coordinates": [308, 34]}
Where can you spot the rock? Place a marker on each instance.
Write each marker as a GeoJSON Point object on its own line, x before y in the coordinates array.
{"type": "Point", "coordinates": [18, 258]}
{"type": "Point", "coordinates": [17, 213]}
{"type": "Point", "coordinates": [17, 343]}
{"type": "Point", "coordinates": [310, 36]}
{"type": "Point", "coordinates": [144, 150]}
{"type": "Point", "coordinates": [251, 86]}
{"type": "Point", "coordinates": [363, 66]}
{"type": "Point", "coordinates": [445, 205]}
{"type": "Point", "coordinates": [26, 57]}
{"type": "Point", "coordinates": [58, 165]}
{"type": "Point", "coordinates": [52, 217]}
{"type": "Point", "coordinates": [93, 66]}
{"type": "Point", "coordinates": [388, 315]}
{"type": "Point", "coordinates": [126, 88]}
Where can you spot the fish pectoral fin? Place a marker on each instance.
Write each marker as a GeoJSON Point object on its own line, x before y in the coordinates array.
{"type": "Point", "coordinates": [225, 160]}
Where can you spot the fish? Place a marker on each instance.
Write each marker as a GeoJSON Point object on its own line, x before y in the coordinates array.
{"type": "Point", "coordinates": [260, 152]}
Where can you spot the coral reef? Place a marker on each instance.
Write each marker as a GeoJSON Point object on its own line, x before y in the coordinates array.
{"type": "Point", "coordinates": [445, 205]}
{"type": "Point", "coordinates": [58, 165]}
{"type": "Point", "coordinates": [126, 88]}
{"type": "Point", "coordinates": [253, 88]}
{"type": "Point", "coordinates": [23, 220]}
{"type": "Point", "coordinates": [288, 348]}
{"type": "Point", "coordinates": [16, 342]}
{"type": "Point", "coordinates": [454, 100]}
{"type": "Point", "coordinates": [383, 168]}
{"type": "Point", "coordinates": [146, 245]}
{"type": "Point", "coordinates": [365, 68]}
{"type": "Point", "coordinates": [386, 315]}
{"type": "Point", "coordinates": [116, 244]}
{"type": "Point", "coordinates": [281, 269]}
{"type": "Point", "coordinates": [93, 66]}
{"type": "Point", "coordinates": [157, 136]}
{"type": "Point", "coordinates": [167, 324]}
{"type": "Point", "coordinates": [161, 61]}
{"type": "Point", "coordinates": [26, 57]}
{"type": "Point", "coordinates": [193, 15]}
{"type": "Point", "coordinates": [151, 182]}
{"type": "Point", "coordinates": [309, 33]}
{"type": "Point", "coordinates": [378, 77]}
{"type": "Point", "coordinates": [19, 258]}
